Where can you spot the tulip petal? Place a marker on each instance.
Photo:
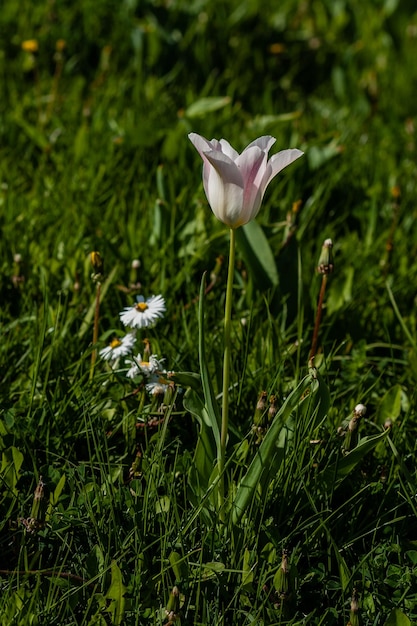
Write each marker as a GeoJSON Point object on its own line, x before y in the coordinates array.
{"type": "Point", "coordinates": [224, 188]}
{"type": "Point", "coordinates": [277, 163]}
{"type": "Point", "coordinates": [264, 143]}
{"type": "Point", "coordinates": [252, 165]}
{"type": "Point", "coordinates": [227, 149]}
{"type": "Point", "coordinates": [200, 143]}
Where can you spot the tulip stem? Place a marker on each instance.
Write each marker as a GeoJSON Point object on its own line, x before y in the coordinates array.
{"type": "Point", "coordinates": [226, 367]}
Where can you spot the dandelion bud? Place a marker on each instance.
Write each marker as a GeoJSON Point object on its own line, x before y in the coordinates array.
{"type": "Point", "coordinates": [173, 606]}
{"type": "Point", "coordinates": [326, 265]}
{"type": "Point", "coordinates": [260, 408]}
{"type": "Point", "coordinates": [97, 262]}
{"type": "Point", "coordinates": [134, 282]}
{"type": "Point", "coordinates": [30, 45]}
{"type": "Point", "coordinates": [350, 435]}
{"type": "Point", "coordinates": [214, 274]}
{"type": "Point", "coordinates": [282, 578]}
{"type": "Point", "coordinates": [261, 404]}
{"type": "Point", "coordinates": [273, 409]}
{"type": "Point", "coordinates": [354, 610]}
{"type": "Point", "coordinates": [359, 410]}
{"type": "Point", "coordinates": [60, 45]}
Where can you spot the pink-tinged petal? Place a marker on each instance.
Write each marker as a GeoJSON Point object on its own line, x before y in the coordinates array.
{"type": "Point", "coordinates": [264, 143]}
{"type": "Point", "coordinates": [202, 146]}
{"type": "Point", "coordinates": [227, 149]}
{"type": "Point", "coordinates": [224, 188]}
{"type": "Point", "coordinates": [200, 143]}
{"type": "Point", "coordinates": [277, 163]}
{"type": "Point", "coordinates": [252, 164]}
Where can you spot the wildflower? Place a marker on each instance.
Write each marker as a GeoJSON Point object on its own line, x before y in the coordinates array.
{"type": "Point", "coordinates": [157, 387]}
{"type": "Point", "coordinates": [146, 368]}
{"type": "Point", "coordinates": [235, 183]}
{"type": "Point", "coordinates": [30, 45]}
{"type": "Point", "coordinates": [144, 313]}
{"type": "Point", "coordinates": [118, 347]}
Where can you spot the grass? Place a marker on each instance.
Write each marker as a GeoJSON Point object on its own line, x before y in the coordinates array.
{"type": "Point", "coordinates": [95, 157]}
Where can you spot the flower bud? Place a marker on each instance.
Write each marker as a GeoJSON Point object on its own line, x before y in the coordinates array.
{"type": "Point", "coordinates": [30, 45]}
{"type": "Point", "coordinates": [173, 606]}
{"type": "Point", "coordinates": [98, 266]}
{"type": "Point", "coordinates": [326, 265]}
{"type": "Point", "coordinates": [354, 609]}
{"type": "Point", "coordinates": [258, 418]}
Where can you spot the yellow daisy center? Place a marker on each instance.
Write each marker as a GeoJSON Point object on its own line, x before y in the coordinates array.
{"type": "Point", "coordinates": [141, 307]}
{"type": "Point", "coordinates": [115, 343]}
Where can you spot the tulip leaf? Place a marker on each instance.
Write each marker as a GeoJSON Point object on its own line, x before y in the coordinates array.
{"type": "Point", "coordinates": [206, 450]}
{"type": "Point", "coordinates": [257, 254]}
{"type": "Point", "coordinates": [201, 107]}
{"type": "Point", "coordinates": [205, 408]}
{"type": "Point", "coordinates": [272, 451]}
{"type": "Point", "coordinates": [211, 405]}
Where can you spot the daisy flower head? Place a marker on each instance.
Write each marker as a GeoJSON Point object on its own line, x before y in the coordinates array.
{"type": "Point", "coordinates": [157, 387]}
{"type": "Point", "coordinates": [119, 347]}
{"type": "Point", "coordinates": [144, 313]}
{"type": "Point", "coordinates": [147, 368]}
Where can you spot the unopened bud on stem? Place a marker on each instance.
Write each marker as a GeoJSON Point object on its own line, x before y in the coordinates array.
{"type": "Point", "coordinates": [326, 264]}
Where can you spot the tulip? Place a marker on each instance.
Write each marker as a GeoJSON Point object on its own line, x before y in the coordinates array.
{"type": "Point", "coordinates": [235, 183]}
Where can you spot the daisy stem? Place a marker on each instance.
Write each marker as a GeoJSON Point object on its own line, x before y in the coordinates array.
{"type": "Point", "coordinates": [226, 367]}
{"type": "Point", "coordinates": [95, 330]}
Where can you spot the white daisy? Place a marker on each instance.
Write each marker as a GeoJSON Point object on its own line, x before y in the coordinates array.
{"type": "Point", "coordinates": [146, 368]}
{"type": "Point", "coordinates": [118, 347]}
{"type": "Point", "coordinates": [157, 387]}
{"type": "Point", "coordinates": [144, 313]}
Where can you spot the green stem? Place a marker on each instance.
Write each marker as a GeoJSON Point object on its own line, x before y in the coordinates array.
{"type": "Point", "coordinates": [226, 367]}
{"type": "Point", "coordinates": [95, 330]}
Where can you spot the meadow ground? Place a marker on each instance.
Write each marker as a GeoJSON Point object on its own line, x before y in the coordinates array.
{"type": "Point", "coordinates": [113, 510]}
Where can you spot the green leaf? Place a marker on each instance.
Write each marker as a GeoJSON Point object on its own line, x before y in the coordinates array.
{"type": "Point", "coordinates": [390, 406]}
{"type": "Point", "coordinates": [247, 571]}
{"type": "Point", "coordinates": [212, 569]}
{"type": "Point", "coordinates": [11, 462]}
{"type": "Point", "coordinates": [338, 471]}
{"type": "Point", "coordinates": [272, 450]}
{"type": "Point", "coordinates": [186, 379]}
{"type": "Point", "coordinates": [116, 593]}
{"type": "Point", "coordinates": [211, 405]}
{"type": "Point", "coordinates": [397, 618]}
{"type": "Point", "coordinates": [179, 566]}
{"type": "Point", "coordinates": [257, 254]}
{"type": "Point", "coordinates": [58, 490]}
{"type": "Point", "coordinates": [206, 450]}
{"type": "Point", "coordinates": [201, 107]}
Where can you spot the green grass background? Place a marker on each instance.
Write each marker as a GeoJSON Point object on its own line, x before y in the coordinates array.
{"type": "Point", "coordinates": [94, 155]}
